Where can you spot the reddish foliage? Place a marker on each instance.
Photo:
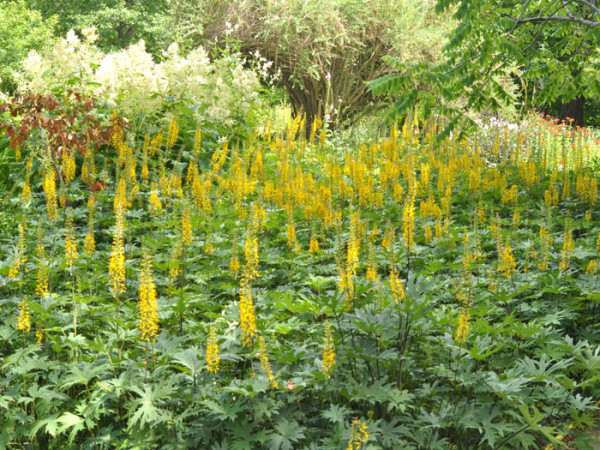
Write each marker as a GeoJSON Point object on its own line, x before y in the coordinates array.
{"type": "Point", "coordinates": [70, 124]}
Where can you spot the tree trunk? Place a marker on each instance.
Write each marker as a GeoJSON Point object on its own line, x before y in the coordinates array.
{"type": "Point", "coordinates": [573, 110]}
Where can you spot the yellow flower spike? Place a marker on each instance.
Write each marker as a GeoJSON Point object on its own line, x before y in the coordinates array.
{"type": "Point", "coordinates": [24, 319]}
{"type": "Point", "coordinates": [148, 309]}
{"type": "Point", "coordinates": [247, 317]}
{"type": "Point", "coordinates": [212, 351]}
{"type": "Point", "coordinates": [398, 293]}
{"type": "Point", "coordinates": [358, 435]}
{"type": "Point", "coordinates": [70, 242]}
{"type": "Point", "coordinates": [463, 326]}
{"type": "Point", "coordinates": [116, 263]}
{"type": "Point", "coordinates": [155, 144]}
{"type": "Point", "coordinates": [186, 226]}
{"type": "Point", "coordinates": [265, 364]}
{"type": "Point", "coordinates": [567, 250]}
{"type": "Point", "coordinates": [506, 264]}
{"type": "Point", "coordinates": [251, 253]}
{"type": "Point", "coordinates": [328, 350]}
{"type": "Point", "coordinates": [49, 186]}
{"type": "Point", "coordinates": [173, 134]}
{"type": "Point", "coordinates": [26, 193]}
{"type": "Point", "coordinates": [408, 224]}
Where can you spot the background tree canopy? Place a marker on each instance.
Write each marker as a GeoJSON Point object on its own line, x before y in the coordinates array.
{"type": "Point", "coordinates": [21, 29]}
{"type": "Point", "coordinates": [549, 47]}
{"type": "Point", "coordinates": [325, 51]}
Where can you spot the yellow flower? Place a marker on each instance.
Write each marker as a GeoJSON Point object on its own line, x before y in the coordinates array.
{"type": "Point", "coordinates": [154, 199]}
{"type": "Point", "coordinates": [49, 185]}
{"type": "Point", "coordinates": [26, 194]}
{"type": "Point", "coordinates": [567, 250]}
{"type": "Point", "coordinates": [328, 350]}
{"type": "Point", "coordinates": [24, 319]}
{"type": "Point", "coordinates": [247, 317]}
{"type": "Point", "coordinates": [251, 253]}
{"type": "Point", "coordinates": [39, 334]}
{"type": "Point", "coordinates": [353, 246]}
{"type": "Point", "coordinates": [313, 247]}
{"type": "Point", "coordinates": [69, 166]}
{"type": "Point", "coordinates": [463, 326]}
{"type": "Point", "coordinates": [591, 268]}
{"type": "Point", "coordinates": [507, 265]}
{"type": "Point", "coordinates": [212, 351]}
{"type": "Point", "coordinates": [408, 224]}
{"type": "Point", "coordinates": [148, 308]}
{"type": "Point", "coordinates": [70, 242]}
{"type": "Point", "coordinates": [186, 226]}
{"type": "Point", "coordinates": [197, 143]}
{"type": "Point", "coordinates": [396, 286]}
{"type": "Point", "coordinates": [89, 243]}
{"type": "Point", "coordinates": [116, 263]}
{"type": "Point", "coordinates": [358, 435]}
{"type": "Point", "coordinates": [265, 363]}
{"type": "Point", "coordinates": [173, 134]}
{"type": "Point", "coordinates": [41, 287]}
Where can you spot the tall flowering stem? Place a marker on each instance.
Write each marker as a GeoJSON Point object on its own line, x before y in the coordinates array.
{"type": "Point", "coordinates": [116, 264]}
{"type": "Point", "coordinates": [328, 350]}
{"type": "Point", "coordinates": [147, 305]}
{"type": "Point", "coordinates": [70, 256]}
{"type": "Point", "coordinates": [212, 351]}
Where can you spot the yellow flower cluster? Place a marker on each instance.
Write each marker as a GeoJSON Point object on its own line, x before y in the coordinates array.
{"type": "Point", "coordinates": [26, 193]}
{"type": "Point", "coordinates": [116, 263]}
{"type": "Point", "coordinates": [265, 364]}
{"type": "Point", "coordinates": [186, 226]}
{"type": "Point", "coordinates": [69, 166]}
{"type": "Point", "coordinates": [173, 134]}
{"type": "Point", "coordinates": [154, 199]}
{"type": "Point", "coordinates": [592, 267]}
{"type": "Point", "coordinates": [463, 326]}
{"type": "Point", "coordinates": [247, 317]}
{"type": "Point", "coordinates": [21, 257]}
{"type": "Point", "coordinates": [251, 254]}
{"type": "Point", "coordinates": [396, 285]}
{"type": "Point", "coordinates": [507, 265]}
{"type": "Point", "coordinates": [212, 351]}
{"type": "Point", "coordinates": [587, 189]}
{"type": "Point", "coordinates": [567, 249]}
{"type": "Point", "coordinates": [148, 308]}
{"type": "Point", "coordinates": [89, 242]}
{"type": "Point", "coordinates": [346, 285]}
{"type": "Point", "coordinates": [24, 319]}
{"type": "Point", "coordinates": [358, 435]}
{"type": "Point", "coordinates": [70, 242]}
{"type": "Point", "coordinates": [49, 186]}
{"type": "Point", "coordinates": [408, 224]}
{"type": "Point", "coordinates": [328, 350]}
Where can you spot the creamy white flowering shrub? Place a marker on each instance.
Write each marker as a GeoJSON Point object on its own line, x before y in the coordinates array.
{"type": "Point", "coordinates": [223, 90]}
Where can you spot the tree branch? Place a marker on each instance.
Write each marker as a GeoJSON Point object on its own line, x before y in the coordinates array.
{"type": "Point", "coordinates": [571, 19]}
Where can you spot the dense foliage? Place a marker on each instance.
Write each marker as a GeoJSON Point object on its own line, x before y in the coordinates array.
{"type": "Point", "coordinates": [323, 52]}
{"type": "Point", "coordinates": [21, 30]}
{"type": "Point", "coordinates": [548, 47]}
{"type": "Point", "coordinates": [185, 263]}
{"type": "Point", "coordinates": [159, 292]}
{"type": "Point", "coordinates": [221, 93]}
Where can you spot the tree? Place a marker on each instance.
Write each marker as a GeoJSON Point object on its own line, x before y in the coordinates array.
{"type": "Point", "coordinates": [325, 51]}
{"type": "Point", "coordinates": [21, 30]}
{"type": "Point", "coordinates": [120, 23]}
{"type": "Point", "coordinates": [549, 45]}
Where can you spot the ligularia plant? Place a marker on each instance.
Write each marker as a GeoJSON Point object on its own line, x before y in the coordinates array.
{"type": "Point", "coordinates": [223, 90]}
